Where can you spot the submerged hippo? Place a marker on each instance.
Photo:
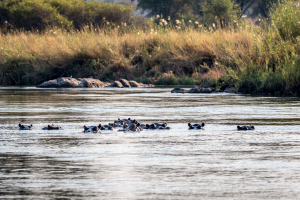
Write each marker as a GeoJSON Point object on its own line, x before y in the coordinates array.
{"type": "Point", "coordinates": [92, 129]}
{"type": "Point", "coordinates": [132, 127]}
{"type": "Point", "coordinates": [25, 127]}
{"type": "Point", "coordinates": [196, 126]}
{"type": "Point", "coordinates": [52, 127]}
{"type": "Point", "coordinates": [110, 126]}
{"type": "Point", "coordinates": [245, 128]}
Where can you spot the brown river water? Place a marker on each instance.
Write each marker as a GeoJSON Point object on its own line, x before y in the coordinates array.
{"type": "Point", "coordinates": [218, 162]}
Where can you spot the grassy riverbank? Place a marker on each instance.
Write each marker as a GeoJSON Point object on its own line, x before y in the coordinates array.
{"type": "Point", "coordinates": [248, 57]}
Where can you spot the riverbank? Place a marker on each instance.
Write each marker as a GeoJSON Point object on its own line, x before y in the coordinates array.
{"type": "Point", "coordinates": [250, 59]}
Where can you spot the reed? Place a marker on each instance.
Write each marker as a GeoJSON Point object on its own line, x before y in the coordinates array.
{"type": "Point", "coordinates": [251, 58]}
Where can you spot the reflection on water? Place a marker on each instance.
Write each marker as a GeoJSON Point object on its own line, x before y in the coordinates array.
{"type": "Point", "coordinates": [215, 163]}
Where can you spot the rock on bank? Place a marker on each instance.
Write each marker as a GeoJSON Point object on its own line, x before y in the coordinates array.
{"type": "Point", "coordinates": [69, 82]}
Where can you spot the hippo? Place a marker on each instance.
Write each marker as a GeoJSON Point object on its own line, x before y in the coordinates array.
{"type": "Point", "coordinates": [135, 127]}
{"type": "Point", "coordinates": [131, 127]}
{"type": "Point", "coordinates": [144, 126]}
{"type": "Point", "coordinates": [92, 129]}
{"type": "Point", "coordinates": [163, 125]}
{"type": "Point", "coordinates": [245, 128]}
{"type": "Point", "coordinates": [52, 127]}
{"type": "Point", "coordinates": [118, 124]}
{"type": "Point", "coordinates": [125, 128]}
{"type": "Point", "coordinates": [152, 126]}
{"type": "Point", "coordinates": [110, 126]}
{"type": "Point", "coordinates": [139, 128]}
{"type": "Point", "coordinates": [25, 127]}
{"type": "Point", "coordinates": [196, 126]}
{"type": "Point", "coordinates": [164, 128]}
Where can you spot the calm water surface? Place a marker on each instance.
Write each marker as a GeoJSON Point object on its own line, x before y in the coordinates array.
{"type": "Point", "coordinates": [216, 163]}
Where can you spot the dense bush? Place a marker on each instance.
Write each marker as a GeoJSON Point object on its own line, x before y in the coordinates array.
{"type": "Point", "coordinates": [43, 14]}
{"type": "Point", "coordinates": [286, 18]}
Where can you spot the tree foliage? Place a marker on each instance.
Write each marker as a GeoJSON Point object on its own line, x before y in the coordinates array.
{"type": "Point", "coordinates": [168, 8]}
{"type": "Point", "coordinates": [221, 12]}
{"type": "Point", "coordinates": [43, 14]}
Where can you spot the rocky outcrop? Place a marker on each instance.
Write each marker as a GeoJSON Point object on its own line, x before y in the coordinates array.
{"type": "Point", "coordinates": [179, 90]}
{"type": "Point", "coordinates": [69, 82]}
{"type": "Point", "coordinates": [123, 83]}
{"type": "Point", "coordinates": [116, 84]}
{"type": "Point", "coordinates": [194, 90]}
{"type": "Point", "coordinates": [201, 90]}
{"type": "Point", "coordinates": [92, 83]}
{"type": "Point", "coordinates": [135, 84]}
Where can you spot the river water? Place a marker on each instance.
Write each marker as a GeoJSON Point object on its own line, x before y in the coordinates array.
{"type": "Point", "coordinates": [218, 162]}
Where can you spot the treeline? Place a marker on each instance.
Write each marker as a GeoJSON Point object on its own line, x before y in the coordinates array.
{"type": "Point", "coordinates": [40, 15]}
{"type": "Point", "coordinates": [65, 14]}
{"type": "Point", "coordinates": [198, 8]}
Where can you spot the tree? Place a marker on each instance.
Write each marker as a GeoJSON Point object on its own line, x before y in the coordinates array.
{"type": "Point", "coordinates": [245, 4]}
{"type": "Point", "coordinates": [167, 8]}
{"type": "Point", "coordinates": [263, 7]}
{"type": "Point", "coordinates": [220, 11]}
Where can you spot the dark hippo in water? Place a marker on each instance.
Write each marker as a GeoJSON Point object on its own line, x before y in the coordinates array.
{"type": "Point", "coordinates": [156, 126]}
{"type": "Point", "coordinates": [110, 127]}
{"type": "Point", "coordinates": [92, 129]}
{"type": "Point", "coordinates": [25, 127]}
{"type": "Point", "coordinates": [196, 126]}
{"type": "Point", "coordinates": [245, 128]}
{"type": "Point", "coordinates": [52, 127]}
{"type": "Point", "coordinates": [132, 127]}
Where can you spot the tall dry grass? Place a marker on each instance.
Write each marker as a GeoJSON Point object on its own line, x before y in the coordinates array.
{"type": "Point", "coordinates": [94, 52]}
{"type": "Point", "coordinates": [250, 58]}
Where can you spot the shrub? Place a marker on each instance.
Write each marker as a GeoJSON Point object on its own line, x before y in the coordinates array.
{"type": "Point", "coordinates": [43, 14]}
{"type": "Point", "coordinates": [35, 14]}
{"type": "Point", "coordinates": [221, 12]}
{"type": "Point", "coordinates": [286, 18]}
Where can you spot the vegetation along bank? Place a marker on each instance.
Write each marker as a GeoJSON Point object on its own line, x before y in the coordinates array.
{"type": "Point", "coordinates": [43, 40]}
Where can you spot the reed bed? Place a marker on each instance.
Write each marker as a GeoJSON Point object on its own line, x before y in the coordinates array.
{"type": "Point", "coordinates": [249, 58]}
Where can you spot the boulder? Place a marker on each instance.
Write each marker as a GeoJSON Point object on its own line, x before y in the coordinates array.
{"type": "Point", "coordinates": [178, 90]}
{"type": "Point", "coordinates": [201, 90]}
{"type": "Point", "coordinates": [135, 84]}
{"type": "Point", "coordinates": [194, 90]}
{"type": "Point", "coordinates": [125, 83]}
{"type": "Point", "coordinates": [91, 83]}
{"type": "Point", "coordinates": [65, 82]}
{"type": "Point", "coordinates": [116, 84]}
{"type": "Point", "coordinates": [69, 82]}
{"type": "Point", "coordinates": [206, 90]}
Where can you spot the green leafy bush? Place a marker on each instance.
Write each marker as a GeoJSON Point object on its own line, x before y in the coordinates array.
{"type": "Point", "coordinates": [66, 14]}
{"type": "Point", "coordinates": [286, 18]}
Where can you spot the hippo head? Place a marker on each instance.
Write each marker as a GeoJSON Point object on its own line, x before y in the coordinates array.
{"type": "Point", "coordinates": [202, 124]}
{"type": "Point", "coordinates": [252, 127]}
{"type": "Point", "coordinates": [239, 128]}
{"type": "Point", "coordinates": [147, 125]}
{"type": "Point", "coordinates": [111, 124]}
{"type": "Point", "coordinates": [95, 128]}
{"type": "Point", "coordinates": [25, 127]}
{"type": "Point", "coordinates": [189, 124]}
{"type": "Point", "coordinates": [99, 126]}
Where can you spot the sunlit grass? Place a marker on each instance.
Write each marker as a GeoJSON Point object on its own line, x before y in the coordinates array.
{"type": "Point", "coordinates": [247, 57]}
